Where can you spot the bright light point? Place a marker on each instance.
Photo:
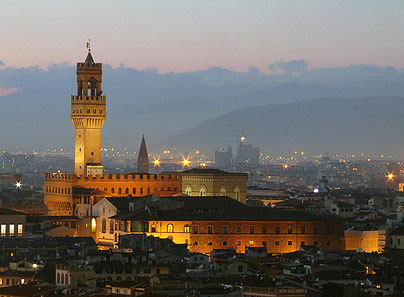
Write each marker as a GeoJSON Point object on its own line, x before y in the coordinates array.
{"type": "Point", "coordinates": [186, 162]}
{"type": "Point", "coordinates": [156, 162]}
{"type": "Point", "coordinates": [390, 176]}
{"type": "Point", "coordinates": [18, 185]}
{"type": "Point", "coordinates": [197, 152]}
{"type": "Point", "coordinates": [285, 166]}
{"type": "Point", "coordinates": [203, 164]}
{"type": "Point", "coordinates": [242, 138]}
{"type": "Point", "coordinates": [34, 265]}
{"type": "Point", "coordinates": [316, 190]}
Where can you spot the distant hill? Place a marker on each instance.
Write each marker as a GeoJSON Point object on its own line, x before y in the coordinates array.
{"type": "Point", "coordinates": [370, 125]}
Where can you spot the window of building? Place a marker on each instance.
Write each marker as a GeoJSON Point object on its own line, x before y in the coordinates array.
{"type": "Point", "coordinates": [238, 229]}
{"type": "Point", "coordinates": [251, 229]}
{"type": "Point", "coordinates": [209, 243]}
{"type": "Point", "coordinates": [264, 229]}
{"type": "Point", "coordinates": [264, 243]}
{"type": "Point", "coordinates": [112, 190]}
{"type": "Point", "coordinates": [127, 191]}
{"type": "Point", "coordinates": [302, 243]}
{"type": "Point", "coordinates": [141, 191]}
{"type": "Point", "coordinates": [238, 242]}
{"type": "Point", "coordinates": [186, 229]}
{"type": "Point", "coordinates": [202, 191]}
{"type": "Point", "coordinates": [315, 242]}
{"type": "Point", "coordinates": [251, 242]}
{"type": "Point", "coordinates": [237, 194]}
{"type": "Point", "coordinates": [119, 191]}
{"type": "Point", "coordinates": [104, 226]}
{"type": "Point", "coordinates": [19, 229]}
{"type": "Point", "coordinates": [3, 229]}
{"type": "Point", "coordinates": [328, 242]}
{"type": "Point", "coordinates": [210, 229]}
{"type": "Point", "coordinates": [195, 243]}
{"type": "Point", "coordinates": [316, 229]}
{"type": "Point", "coordinates": [289, 242]}
{"type": "Point", "coordinates": [170, 228]}
{"type": "Point", "coordinates": [303, 229]}
{"type": "Point", "coordinates": [111, 227]}
{"type": "Point", "coordinates": [276, 242]}
{"type": "Point", "coordinates": [277, 230]}
{"type": "Point", "coordinates": [224, 242]}
{"type": "Point", "coordinates": [134, 191]}
{"type": "Point", "coordinates": [195, 229]}
{"type": "Point", "coordinates": [11, 231]}
{"type": "Point", "coordinates": [225, 229]}
{"type": "Point", "coordinates": [290, 229]}
{"type": "Point", "coordinates": [222, 192]}
{"type": "Point", "coordinates": [240, 268]}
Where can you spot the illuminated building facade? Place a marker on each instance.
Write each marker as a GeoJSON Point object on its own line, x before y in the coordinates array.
{"type": "Point", "coordinates": [207, 223]}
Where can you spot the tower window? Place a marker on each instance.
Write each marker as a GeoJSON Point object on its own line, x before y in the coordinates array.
{"type": "Point", "coordinates": [80, 149]}
{"type": "Point", "coordinates": [92, 153]}
{"type": "Point", "coordinates": [100, 110]}
{"type": "Point", "coordinates": [88, 110]}
{"type": "Point", "coordinates": [95, 111]}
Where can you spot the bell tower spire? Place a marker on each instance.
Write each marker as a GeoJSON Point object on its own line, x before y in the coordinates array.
{"type": "Point", "coordinates": [143, 158]}
{"type": "Point", "coordinates": [88, 109]}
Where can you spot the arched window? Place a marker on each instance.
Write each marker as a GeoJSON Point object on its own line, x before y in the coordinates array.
{"type": "Point", "coordinates": [186, 229]}
{"type": "Point", "coordinates": [188, 190]}
{"type": "Point", "coordinates": [236, 194]}
{"type": "Point", "coordinates": [104, 226]}
{"type": "Point", "coordinates": [66, 279]}
{"type": "Point", "coordinates": [58, 278]}
{"type": "Point", "coordinates": [134, 191]}
{"type": "Point", "coordinates": [62, 279]}
{"type": "Point", "coordinates": [202, 191]}
{"type": "Point", "coordinates": [222, 191]}
{"type": "Point", "coordinates": [141, 191]}
{"type": "Point", "coordinates": [127, 191]}
{"type": "Point", "coordinates": [105, 189]}
{"type": "Point", "coordinates": [119, 191]}
{"type": "Point", "coordinates": [112, 190]}
{"type": "Point", "coordinates": [170, 228]}
{"type": "Point", "coordinates": [111, 226]}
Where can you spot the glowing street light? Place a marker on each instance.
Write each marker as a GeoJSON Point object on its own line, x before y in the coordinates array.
{"type": "Point", "coordinates": [156, 162]}
{"type": "Point", "coordinates": [186, 162]}
{"type": "Point", "coordinates": [18, 185]}
{"type": "Point", "coordinates": [390, 176]}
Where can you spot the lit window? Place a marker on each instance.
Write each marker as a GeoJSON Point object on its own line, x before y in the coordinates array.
{"type": "Point", "coordinates": [11, 231]}
{"type": "Point", "coordinates": [251, 242]}
{"type": "Point", "coordinates": [186, 229]}
{"type": "Point", "coordinates": [210, 229]}
{"type": "Point", "coordinates": [93, 225]}
{"type": "Point", "coordinates": [19, 229]}
{"type": "Point", "coordinates": [170, 228]}
{"type": "Point", "coordinates": [3, 229]}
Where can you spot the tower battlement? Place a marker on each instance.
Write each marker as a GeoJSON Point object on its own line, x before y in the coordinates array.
{"type": "Point", "coordinates": [130, 177]}
{"type": "Point", "coordinates": [81, 98]}
{"type": "Point", "coordinates": [89, 66]}
{"type": "Point", "coordinates": [59, 176]}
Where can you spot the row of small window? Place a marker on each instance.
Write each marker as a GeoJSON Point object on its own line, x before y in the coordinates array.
{"type": "Point", "coordinates": [62, 278]}
{"type": "Point", "coordinates": [139, 270]}
{"type": "Point", "coordinates": [252, 229]}
{"type": "Point", "coordinates": [11, 229]}
{"type": "Point", "coordinates": [264, 243]}
{"type": "Point", "coordinates": [88, 110]}
{"type": "Point", "coordinates": [57, 190]}
{"type": "Point", "coordinates": [112, 226]}
{"type": "Point", "coordinates": [134, 190]}
{"type": "Point", "coordinates": [12, 281]}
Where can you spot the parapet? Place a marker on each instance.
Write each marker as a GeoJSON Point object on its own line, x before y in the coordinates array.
{"type": "Point", "coordinates": [89, 66]}
{"type": "Point", "coordinates": [132, 176]}
{"type": "Point", "coordinates": [60, 176]}
{"type": "Point", "coordinates": [83, 98]}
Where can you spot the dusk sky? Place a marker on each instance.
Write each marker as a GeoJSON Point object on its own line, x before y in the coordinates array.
{"type": "Point", "coordinates": [189, 35]}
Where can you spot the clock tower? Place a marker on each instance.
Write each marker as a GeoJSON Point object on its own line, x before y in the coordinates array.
{"type": "Point", "coordinates": [88, 109]}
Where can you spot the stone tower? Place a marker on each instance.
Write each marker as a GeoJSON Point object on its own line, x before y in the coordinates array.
{"type": "Point", "coordinates": [143, 159]}
{"type": "Point", "coordinates": [88, 115]}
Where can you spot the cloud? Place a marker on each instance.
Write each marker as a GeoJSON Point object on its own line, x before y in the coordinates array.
{"type": "Point", "coordinates": [296, 66]}
{"type": "Point", "coordinates": [5, 92]}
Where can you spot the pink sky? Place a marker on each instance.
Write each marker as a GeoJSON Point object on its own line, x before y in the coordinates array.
{"type": "Point", "coordinates": [190, 35]}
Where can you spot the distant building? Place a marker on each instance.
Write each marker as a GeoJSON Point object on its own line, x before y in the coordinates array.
{"type": "Point", "coordinates": [223, 158]}
{"type": "Point", "coordinates": [246, 153]}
